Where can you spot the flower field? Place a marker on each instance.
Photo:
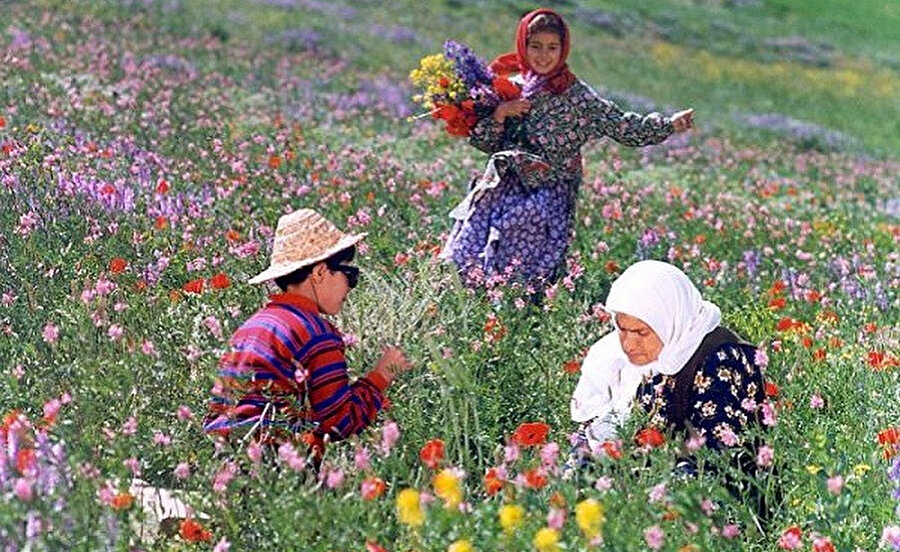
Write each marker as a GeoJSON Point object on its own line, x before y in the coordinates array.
{"type": "Point", "coordinates": [148, 148]}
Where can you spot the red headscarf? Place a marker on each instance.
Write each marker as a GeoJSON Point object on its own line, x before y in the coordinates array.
{"type": "Point", "coordinates": [559, 79]}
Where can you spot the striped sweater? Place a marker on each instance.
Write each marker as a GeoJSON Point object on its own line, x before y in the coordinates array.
{"type": "Point", "coordinates": [286, 372]}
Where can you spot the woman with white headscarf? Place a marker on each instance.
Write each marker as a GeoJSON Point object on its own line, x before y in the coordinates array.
{"type": "Point", "coordinates": [668, 354]}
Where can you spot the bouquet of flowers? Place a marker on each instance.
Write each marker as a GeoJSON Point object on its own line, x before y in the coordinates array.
{"type": "Point", "coordinates": [460, 89]}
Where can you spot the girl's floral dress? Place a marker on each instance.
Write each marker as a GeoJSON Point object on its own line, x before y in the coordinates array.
{"type": "Point", "coordinates": [724, 398]}
{"type": "Point", "coordinates": [519, 214]}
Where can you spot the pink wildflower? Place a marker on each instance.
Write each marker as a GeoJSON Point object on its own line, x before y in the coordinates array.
{"type": "Point", "coordinates": [51, 333]}
{"type": "Point", "coordinates": [765, 456]}
{"type": "Point", "coordinates": [182, 470]}
{"type": "Point", "coordinates": [654, 537]}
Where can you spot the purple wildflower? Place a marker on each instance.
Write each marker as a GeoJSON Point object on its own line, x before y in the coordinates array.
{"type": "Point", "coordinates": [470, 69]}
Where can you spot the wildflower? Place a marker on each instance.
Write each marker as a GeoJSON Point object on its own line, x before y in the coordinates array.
{"type": "Point", "coordinates": [731, 531]}
{"type": "Point", "coordinates": [372, 546]}
{"type": "Point", "coordinates": [549, 455]}
{"type": "Point", "coordinates": [603, 483]}
{"type": "Point", "coordinates": [184, 413]}
{"type": "Point", "coordinates": [191, 531]}
{"type": "Point", "coordinates": [612, 449]}
{"type": "Point", "coordinates": [650, 437]}
{"type": "Point", "coordinates": [22, 489]}
{"type": "Point", "coordinates": [446, 486]}
{"type": "Point", "coordinates": [765, 456]}
{"type": "Point", "coordinates": [657, 493]}
{"type": "Point", "coordinates": [222, 546]}
{"type": "Point", "coordinates": [371, 488]}
{"type": "Point", "coordinates": [389, 436]}
{"type": "Point", "coordinates": [220, 281]}
{"type": "Point", "coordinates": [535, 478]}
{"type": "Point", "coordinates": [194, 286]}
{"type": "Point", "coordinates": [823, 544]}
{"type": "Point", "coordinates": [510, 453]}
{"type": "Point", "coordinates": [409, 511]}
{"type": "Point", "coordinates": [530, 434]}
{"type": "Point", "coordinates": [791, 538]}
{"type": "Point", "coordinates": [589, 515]}
{"type": "Point", "coordinates": [122, 501]}
{"type": "Point", "coordinates": [890, 537]}
{"type": "Point", "coordinates": [361, 459]}
{"type": "Point", "coordinates": [432, 453]}
{"type": "Point", "coordinates": [835, 484]}
{"type": "Point", "coordinates": [254, 452]}
{"type": "Point", "coordinates": [654, 537]}
{"type": "Point", "coordinates": [511, 517]}
{"type": "Point", "coordinates": [556, 517]}
{"type": "Point", "coordinates": [462, 545]}
{"type": "Point", "coordinates": [117, 265]}
{"type": "Point", "coordinates": [51, 333]}
{"type": "Point", "coordinates": [334, 478]}
{"type": "Point", "coordinates": [493, 481]}
{"type": "Point", "coordinates": [546, 540]}
{"type": "Point", "coordinates": [182, 470]}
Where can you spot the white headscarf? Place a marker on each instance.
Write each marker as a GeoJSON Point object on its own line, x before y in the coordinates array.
{"type": "Point", "coordinates": [662, 296]}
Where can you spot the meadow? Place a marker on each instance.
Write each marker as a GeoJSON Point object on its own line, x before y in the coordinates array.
{"type": "Point", "coordinates": [147, 149]}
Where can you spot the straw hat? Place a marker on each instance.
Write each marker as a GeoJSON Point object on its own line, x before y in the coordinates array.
{"type": "Point", "coordinates": [302, 238]}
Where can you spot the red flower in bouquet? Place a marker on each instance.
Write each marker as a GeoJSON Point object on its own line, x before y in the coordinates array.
{"type": "Point", "coordinates": [531, 434]}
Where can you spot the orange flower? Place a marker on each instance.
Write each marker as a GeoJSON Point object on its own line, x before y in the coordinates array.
{"type": "Point", "coordinates": [612, 449]}
{"type": "Point", "coordinates": [372, 546]}
{"type": "Point", "coordinates": [777, 288]}
{"type": "Point", "coordinates": [444, 82]}
{"type": "Point", "coordinates": [650, 437]}
{"type": "Point", "coordinates": [772, 389]}
{"type": "Point", "coordinates": [889, 436]}
{"type": "Point", "coordinates": [531, 434]}
{"type": "Point", "coordinates": [2, 122]}
{"type": "Point", "coordinates": [161, 222]}
{"type": "Point", "coordinates": [492, 482]}
{"type": "Point", "coordinates": [232, 235]}
{"type": "Point", "coordinates": [432, 453]}
{"type": "Point", "coordinates": [371, 488]}
{"type": "Point", "coordinates": [535, 478]}
{"type": "Point", "coordinates": [194, 286]}
{"type": "Point", "coordinates": [117, 265]}
{"type": "Point", "coordinates": [219, 281]}
{"type": "Point", "coordinates": [192, 531]}
{"type": "Point", "coordinates": [819, 354]}
{"type": "Point", "coordinates": [25, 460]}
{"type": "Point", "coordinates": [777, 303]}
{"type": "Point", "coordinates": [122, 501]}
{"type": "Point", "coordinates": [274, 161]}
{"type": "Point", "coordinates": [572, 367]}
{"type": "Point", "coordinates": [611, 267]}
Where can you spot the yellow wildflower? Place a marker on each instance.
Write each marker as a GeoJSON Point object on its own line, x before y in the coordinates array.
{"type": "Point", "coordinates": [813, 469]}
{"type": "Point", "coordinates": [546, 540]}
{"type": "Point", "coordinates": [861, 469]}
{"type": "Point", "coordinates": [409, 512]}
{"type": "Point", "coordinates": [590, 518]}
{"type": "Point", "coordinates": [446, 487]}
{"type": "Point", "coordinates": [511, 517]}
{"type": "Point", "coordinates": [462, 545]}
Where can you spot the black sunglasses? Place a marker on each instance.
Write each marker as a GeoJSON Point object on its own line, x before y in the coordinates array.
{"type": "Point", "coordinates": [350, 272]}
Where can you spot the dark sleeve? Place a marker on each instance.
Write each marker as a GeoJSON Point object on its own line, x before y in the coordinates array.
{"type": "Point", "coordinates": [487, 135]}
{"type": "Point", "coordinates": [727, 391]}
{"type": "Point", "coordinates": [605, 118]}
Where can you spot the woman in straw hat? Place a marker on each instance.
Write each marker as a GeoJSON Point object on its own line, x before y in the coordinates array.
{"type": "Point", "coordinates": [285, 374]}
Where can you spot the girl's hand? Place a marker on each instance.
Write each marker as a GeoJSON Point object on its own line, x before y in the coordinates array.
{"type": "Point", "coordinates": [392, 363]}
{"type": "Point", "coordinates": [683, 120]}
{"type": "Point", "coordinates": [512, 108]}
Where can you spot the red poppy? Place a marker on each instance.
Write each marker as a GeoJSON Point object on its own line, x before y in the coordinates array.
{"type": "Point", "coordinates": [493, 484]}
{"type": "Point", "coordinates": [823, 544]}
{"type": "Point", "coordinates": [777, 303]}
{"type": "Point", "coordinates": [375, 547]}
{"type": "Point", "coordinates": [192, 531]}
{"type": "Point", "coordinates": [650, 437]}
{"type": "Point", "coordinates": [432, 453]}
{"type": "Point", "coordinates": [572, 367]}
{"type": "Point", "coordinates": [161, 222]}
{"type": "Point", "coordinates": [219, 281]}
{"type": "Point", "coordinates": [122, 501]}
{"type": "Point", "coordinates": [444, 82]}
{"type": "Point", "coordinates": [505, 88]}
{"type": "Point", "coordinates": [819, 354]}
{"type": "Point", "coordinates": [535, 478]}
{"type": "Point", "coordinates": [194, 286]}
{"type": "Point", "coordinates": [274, 161]}
{"type": "Point", "coordinates": [889, 436]}
{"type": "Point", "coordinates": [772, 389]}
{"type": "Point", "coordinates": [807, 342]}
{"type": "Point", "coordinates": [790, 538]}
{"type": "Point", "coordinates": [162, 186]}
{"type": "Point", "coordinates": [117, 265]}
{"type": "Point", "coordinates": [531, 434]}
{"type": "Point", "coordinates": [777, 288]}
{"type": "Point", "coordinates": [25, 460]}
{"type": "Point", "coordinates": [612, 449]}
{"type": "Point", "coordinates": [812, 296]}
{"type": "Point", "coordinates": [2, 122]}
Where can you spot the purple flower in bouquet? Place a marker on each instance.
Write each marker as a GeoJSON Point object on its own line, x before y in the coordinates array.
{"type": "Point", "coordinates": [532, 84]}
{"type": "Point", "coordinates": [470, 69]}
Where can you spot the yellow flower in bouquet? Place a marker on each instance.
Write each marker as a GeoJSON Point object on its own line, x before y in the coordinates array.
{"type": "Point", "coordinates": [436, 77]}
